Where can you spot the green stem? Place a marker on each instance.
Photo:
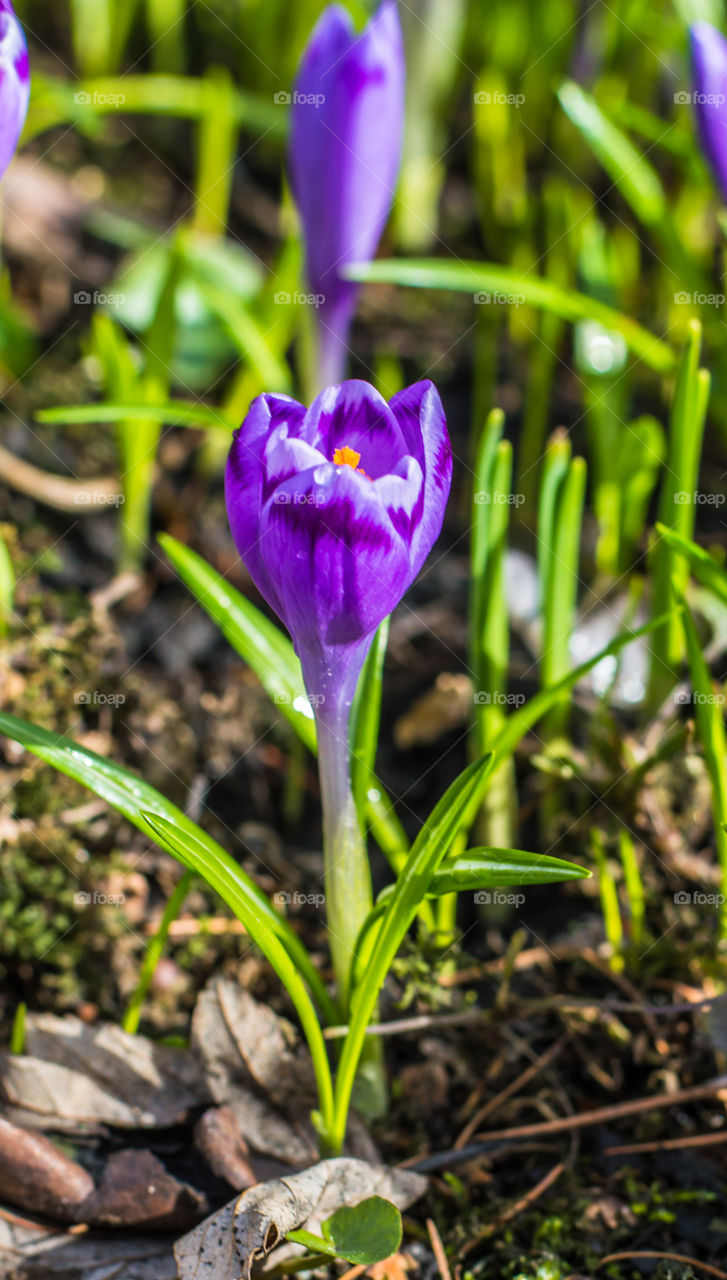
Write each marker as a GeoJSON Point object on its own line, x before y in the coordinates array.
{"type": "Point", "coordinates": [132, 1015]}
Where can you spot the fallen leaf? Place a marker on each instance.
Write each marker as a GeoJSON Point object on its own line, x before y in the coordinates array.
{"type": "Point", "coordinates": [239, 1042]}
{"type": "Point", "coordinates": [444, 707]}
{"type": "Point", "coordinates": [100, 1074]}
{"type": "Point", "coordinates": [226, 1245]}
{"type": "Point", "coordinates": [137, 1191]}
{"type": "Point", "coordinates": [218, 1138]}
{"type": "Point", "coordinates": [37, 1176]}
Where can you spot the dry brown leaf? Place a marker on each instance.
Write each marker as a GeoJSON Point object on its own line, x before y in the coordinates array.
{"type": "Point", "coordinates": [226, 1245]}
{"type": "Point", "coordinates": [37, 1176]}
{"type": "Point", "coordinates": [100, 1074]}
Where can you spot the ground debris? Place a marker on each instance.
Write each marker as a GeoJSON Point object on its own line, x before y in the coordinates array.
{"type": "Point", "coordinates": [226, 1245]}
{"type": "Point", "coordinates": [99, 1075]}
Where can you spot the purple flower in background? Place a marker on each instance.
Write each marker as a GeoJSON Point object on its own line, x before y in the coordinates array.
{"type": "Point", "coordinates": [345, 146]}
{"type": "Point", "coordinates": [709, 66]}
{"type": "Point", "coordinates": [14, 82]}
{"type": "Point", "coordinates": [334, 510]}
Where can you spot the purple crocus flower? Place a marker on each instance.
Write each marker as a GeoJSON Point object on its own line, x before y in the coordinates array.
{"type": "Point", "coordinates": [14, 82]}
{"type": "Point", "coordinates": [334, 510]}
{"type": "Point", "coordinates": [345, 146]}
{"type": "Point", "coordinates": [709, 66]}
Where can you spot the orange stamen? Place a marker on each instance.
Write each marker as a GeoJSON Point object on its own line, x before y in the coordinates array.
{"type": "Point", "coordinates": [346, 457]}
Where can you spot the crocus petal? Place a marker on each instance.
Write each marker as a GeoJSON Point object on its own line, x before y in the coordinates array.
{"type": "Point", "coordinates": [14, 83]}
{"type": "Point", "coordinates": [419, 413]}
{"type": "Point", "coordinates": [341, 567]}
{"type": "Point", "coordinates": [333, 545]}
{"type": "Point", "coordinates": [245, 479]}
{"type": "Point", "coordinates": [355, 414]}
{"type": "Point", "coordinates": [345, 148]}
{"type": "Point", "coordinates": [709, 62]}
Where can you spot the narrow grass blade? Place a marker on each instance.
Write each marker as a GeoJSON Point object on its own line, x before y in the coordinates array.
{"type": "Point", "coordinates": [429, 849]}
{"type": "Point", "coordinates": [677, 507]}
{"type": "Point", "coordinates": [154, 953]}
{"type": "Point", "coordinates": [195, 852]}
{"type": "Point", "coordinates": [709, 715]}
{"type": "Point", "coordinates": [624, 163]}
{"type": "Point", "coordinates": [488, 277]}
{"type": "Point", "coordinates": [135, 799]}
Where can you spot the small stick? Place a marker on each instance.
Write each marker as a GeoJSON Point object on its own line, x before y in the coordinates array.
{"type": "Point", "coordinates": [524, 1078]}
{"type": "Point", "coordinates": [670, 1257]}
{"type": "Point", "coordinates": [617, 1111]}
{"type": "Point", "coordinates": [61, 492]}
{"type": "Point", "coordinates": [520, 1205]}
{"type": "Point", "coordinates": [438, 1250]}
{"type": "Point", "coordinates": [669, 1144]}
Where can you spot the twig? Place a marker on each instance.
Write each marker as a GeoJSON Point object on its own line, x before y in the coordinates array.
{"type": "Point", "coordinates": [668, 1144]}
{"type": "Point", "coordinates": [515, 1085]}
{"type": "Point", "coordinates": [519, 1207]}
{"type": "Point", "coordinates": [617, 1111]}
{"type": "Point", "coordinates": [670, 1257]}
{"type": "Point", "coordinates": [425, 1021]}
{"type": "Point", "coordinates": [61, 492]}
{"type": "Point", "coordinates": [438, 1250]}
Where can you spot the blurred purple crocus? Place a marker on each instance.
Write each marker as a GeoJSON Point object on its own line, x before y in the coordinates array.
{"type": "Point", "coordinates": [14, 82]}
{"type": "Point", "coordinates": [334, 510]}
{"type": "Point", "coordinates": [709, 67]}
{"type": "Point", "coordinates": [345, 146]}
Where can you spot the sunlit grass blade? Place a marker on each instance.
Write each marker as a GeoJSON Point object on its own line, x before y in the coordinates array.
{"type": "Point", "coordinates": [366, 720]}
{"type": "Point", "coordinates": [175, 413]}
{"type": "Point", "coordinates": [429, 849]}
{"type": "Point", "coordinates": [194, 851]}
{"type": "Point", "coordinates": [559, 533]}
{"type": "Point", "coordinates": [634, 887]}
{"type": "Point", "coordinates": [677, 507]}
{"type": "Point", "coordinates": [609, 901]}
{"type": "Point", "coordinates": [165, 21]}
{"type": "Point", "coordinates": [7, 586]}
{"type": "Point", "coordinates": [488, 277]}
{"type": "Point", "coordinates": [625, 164]}
{"type": "Point", "coordinates": [216, 148]}
{"type": "Point", "coordinates": [133, 798]}
{"type": "Point", "coordinates": [490, 868]}
{"type": "Point", "coordinates": [154, 953]}
{"type": "Point", "coordinates": [488, 621]}
{"type": "Point", "coordinates": [257, 640]}
{"type": "Point", "coordinates": [158, 95]}
{"type": "Point", "coordinates": [705, 568]}
{"type": "Point", "coordinates": [709, 716]}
